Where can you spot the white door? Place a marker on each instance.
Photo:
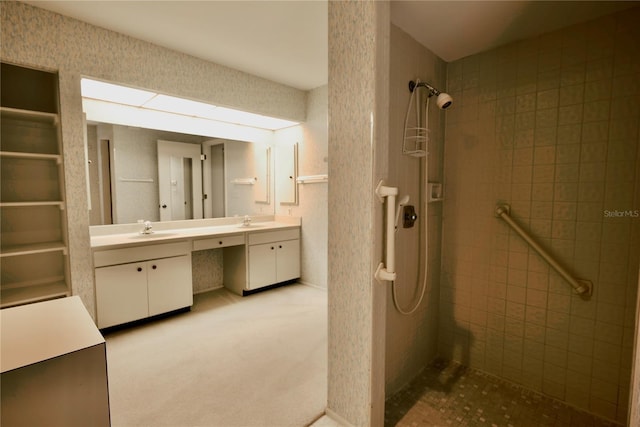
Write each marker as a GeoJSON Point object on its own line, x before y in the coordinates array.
{"type": "Point", "coordinates": [179, 180]}
{"type": "Point", "coordinates": [213, 179]}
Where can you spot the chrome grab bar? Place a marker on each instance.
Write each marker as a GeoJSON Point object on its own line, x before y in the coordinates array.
{"type": "Point", "coordinates": [584, 288]}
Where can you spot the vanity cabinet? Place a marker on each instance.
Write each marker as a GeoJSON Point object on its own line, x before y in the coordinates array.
{"type": "Point", "coordinates": [270, 257]}
{"type": "Point", "coordinates": [33, 232]}
{"type": "Point", "coordinates": [139, 282]}
{"type": "Point", "coordinates": [274, 257]}
{"type": "Point", "coordinates": [274, 262]}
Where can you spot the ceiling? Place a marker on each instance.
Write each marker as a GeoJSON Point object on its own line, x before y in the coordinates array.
{"type": "Point", "coordinates": [286, 41]}
{"type": "Point", "coordinates": [455, 29]}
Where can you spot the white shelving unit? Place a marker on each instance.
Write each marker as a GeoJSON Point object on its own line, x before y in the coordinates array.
{"type": "Point", "coordinates": [33, 229]}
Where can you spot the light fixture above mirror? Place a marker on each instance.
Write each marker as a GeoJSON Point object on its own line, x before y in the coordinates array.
{"type": "Point", "coordinates": [149, 102]}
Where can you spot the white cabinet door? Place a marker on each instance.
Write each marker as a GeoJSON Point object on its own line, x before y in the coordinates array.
{"type": "Point", "coordinates": [169, 283]}
{"type": "Point", "coordinates": [288, 260]}
{"type": "Point", "coordinates": [121, 294]}
{"type": "Point", "coordinates": [262, 265]}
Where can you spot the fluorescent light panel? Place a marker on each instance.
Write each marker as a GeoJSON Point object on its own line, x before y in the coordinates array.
{"type": "Point", "coordinates": [109, 92]}
{"type": "Point", "coordinates": [114, 93]}
{"type": "Point", "coordinates": [186, 107]}
{"type": "Point", "coordinates": [250, 119]}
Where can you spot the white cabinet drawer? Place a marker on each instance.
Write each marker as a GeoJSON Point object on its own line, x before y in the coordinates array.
{"type": "Point", "coordinates": [273, 236]}
{"type": "Point", "coordinates": [140, 253]}
{"type": "Point", "coordinates": [218, 242]}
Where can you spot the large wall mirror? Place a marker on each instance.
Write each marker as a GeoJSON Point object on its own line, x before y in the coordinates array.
{"type": "Point", "coordinates": [151, 166]}
{"type": "Point", "coordinates": [137, 173]}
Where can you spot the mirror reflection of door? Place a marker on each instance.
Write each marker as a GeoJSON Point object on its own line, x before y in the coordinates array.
{"type": "Point", "coordinates": [179, 181]}
{"type": "Point", "coordinates": [287, 166]}
{"type": "Point", "coordinates": [213, 177]}
{"type": "Point", "coordinates": [100, 180]}
{"type": "Point", "coordinates": [263, 175]}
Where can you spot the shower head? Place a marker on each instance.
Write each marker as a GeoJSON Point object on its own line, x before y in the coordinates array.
{"type": "Point", "coordinates": [443, 100]}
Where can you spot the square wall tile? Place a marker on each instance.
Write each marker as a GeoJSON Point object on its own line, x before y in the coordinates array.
{"type": "Point", "coordinates": [569, 172]}
{"type": "Point", "coordinates": [596, 110]}
{"type": "Point", "coordinates": [567, 129]}
{"type": "Point", "coordinates": [556, 338]}
{"type": "Point", "coordinates": [604, 390]}
{"type": "Point", "coordinates": [595, 131]}
{"type": "Point", "coordinates": [543, 173]}
{"type": "Point", "coordinates": [572, 75]}
{"type": "Point", "coordinates": [546, 136]}
{"type": "Point", "coordinates": [579, 365]}
{"type": "Point", "coordinates": [547, 118]}
{"type": "Point", "coordinates": [559, 303]}
{"type": "Point", "coordinates": [571, 95]}
{"type": "Point", "coordinates": [569, 134]}
{"type": "Point", "coordinates": [597, 90]}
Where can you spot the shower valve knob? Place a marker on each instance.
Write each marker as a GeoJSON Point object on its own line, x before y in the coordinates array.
{"type": "Point", "coordinates": [409, 216]}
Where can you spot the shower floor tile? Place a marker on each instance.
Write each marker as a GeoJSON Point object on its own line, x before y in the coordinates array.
{"type": "Point", "coordinates": [451, 395]}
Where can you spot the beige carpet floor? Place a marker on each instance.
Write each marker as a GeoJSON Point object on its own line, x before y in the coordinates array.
{"type": "Point", "coordinates": [259, 360]}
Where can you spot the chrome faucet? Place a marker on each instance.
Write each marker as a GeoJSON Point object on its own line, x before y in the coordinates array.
{"type": "Point", "coordinates": [147, 227]}
{"type": "Point", "coordinates": [246, 222]}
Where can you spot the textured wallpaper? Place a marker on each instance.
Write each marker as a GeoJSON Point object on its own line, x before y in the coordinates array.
{"type": "Point", "coordinates": [207, 270]}
{"type": "Point", "coordinates": [312, 198]}
{"type": "Point", "coordinates": [358, 103]}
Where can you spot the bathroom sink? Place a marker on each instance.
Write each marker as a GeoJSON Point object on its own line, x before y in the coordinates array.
{"type": "Point", "coordinates": [250, 226]}
{"type": "Point", "coordinates": [154, 235]}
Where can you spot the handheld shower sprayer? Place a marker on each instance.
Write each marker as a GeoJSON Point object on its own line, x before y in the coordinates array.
{"type": "Point", "coordinates": [401, 203]}
{"type": "Point", "coordinates": [443, 100]}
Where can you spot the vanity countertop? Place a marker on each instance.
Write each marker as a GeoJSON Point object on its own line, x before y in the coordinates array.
{"type": "Point", "coordinates": [163, 233]}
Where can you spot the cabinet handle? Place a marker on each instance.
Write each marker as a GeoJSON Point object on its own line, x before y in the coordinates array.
{"type": "Point", "coordinates": [272, 248]}
{"type": "Point", "coordinates": [280, 246]}
{"type": "Point", "coordinates": [154, 267]}
{"type": "Point", "coordinates": [139, 268]}
{"type": "Point", "coordinates": [220, 242]}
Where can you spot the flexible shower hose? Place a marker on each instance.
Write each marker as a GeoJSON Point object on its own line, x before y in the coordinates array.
{"type": "Point", "coordinates": [424, 185]}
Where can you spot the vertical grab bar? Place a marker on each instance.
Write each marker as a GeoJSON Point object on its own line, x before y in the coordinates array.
{"type": "Point", "coordinates": [388, 273]}
{"type": "Point", "coordinates": [584, 288]}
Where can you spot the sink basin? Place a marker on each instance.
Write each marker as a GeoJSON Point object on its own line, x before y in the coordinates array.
{"type": "Point", "coordinates": [250, 226]}
{"type": "Point", "coordinates": [155, 235]}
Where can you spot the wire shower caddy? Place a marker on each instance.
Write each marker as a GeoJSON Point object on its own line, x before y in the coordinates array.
{"type": "Point", "coordinates": [415, 139]}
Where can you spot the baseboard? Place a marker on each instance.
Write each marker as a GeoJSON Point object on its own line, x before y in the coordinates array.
{"type": "Point", "coordinates": [337, 418]}
{"type": "Point", "coordinates": [312, 285]}
{"type": "Point", "coordinates": [202, 291]}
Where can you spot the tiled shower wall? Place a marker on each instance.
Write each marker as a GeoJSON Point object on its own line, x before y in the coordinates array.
{"type": "Point", "coordinates": [549, 125]}
{"type": "Point", "coordinates": [411, 341]}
